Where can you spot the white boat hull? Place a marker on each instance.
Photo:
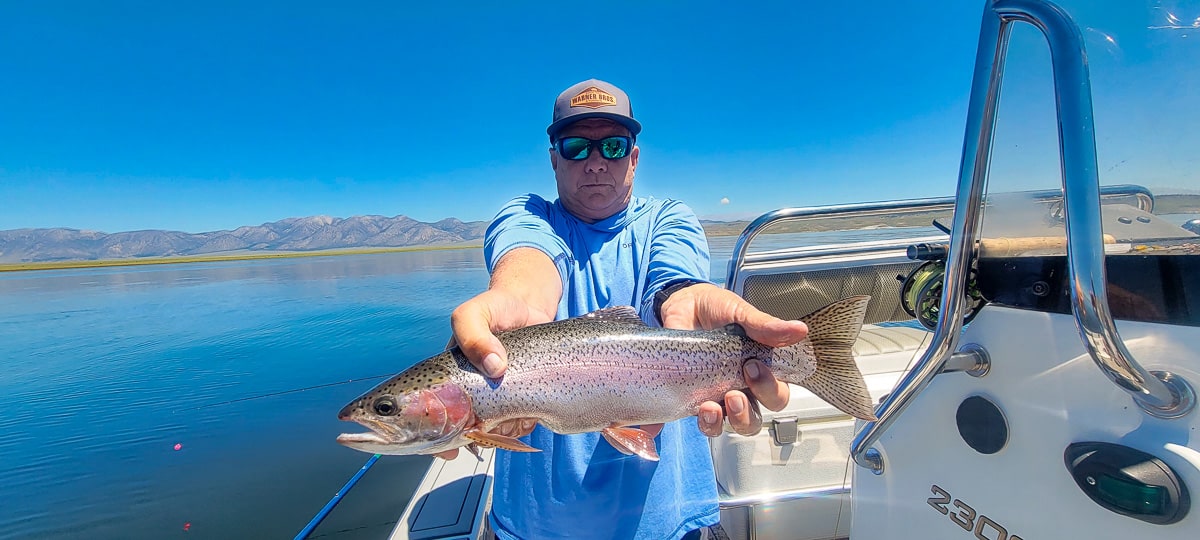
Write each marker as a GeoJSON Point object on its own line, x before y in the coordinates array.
{"type": "Point", "coordinates": [1052, 394]}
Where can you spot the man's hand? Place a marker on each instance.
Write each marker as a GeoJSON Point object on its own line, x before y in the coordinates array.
{"type": "Point", "coordinates": [524, 291]}
{"type": "Point", "coordinates": [476, 322]}
{"type": "Point", "coordinates": [706, 306]}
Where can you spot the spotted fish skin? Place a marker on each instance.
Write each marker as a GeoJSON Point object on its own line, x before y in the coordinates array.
{"type": "Point", "coordinates": [604, 369]}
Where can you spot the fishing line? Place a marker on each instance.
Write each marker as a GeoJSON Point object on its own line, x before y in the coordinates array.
{"type": "Point", "coordinates": [837, 525]}
{"type": "Point", "coordinates": [292, 391]}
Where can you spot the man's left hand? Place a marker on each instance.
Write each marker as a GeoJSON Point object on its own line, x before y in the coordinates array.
{"type": "Point", "coordinates": [705, 307]}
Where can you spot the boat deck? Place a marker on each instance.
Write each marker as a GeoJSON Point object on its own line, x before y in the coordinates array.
{"type": "Point", "coordinates": [463, 484]}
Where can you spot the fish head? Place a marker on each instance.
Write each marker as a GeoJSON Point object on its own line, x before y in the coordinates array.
{"type": "Point", "coordinates": [406, 415]}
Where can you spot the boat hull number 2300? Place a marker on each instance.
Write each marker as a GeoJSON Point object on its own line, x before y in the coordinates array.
{"type": "Point", "coordinates": [966, 517]}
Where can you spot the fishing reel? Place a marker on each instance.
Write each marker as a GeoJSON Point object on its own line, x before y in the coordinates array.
{"type": "Point", "coordinates": [921, 289]}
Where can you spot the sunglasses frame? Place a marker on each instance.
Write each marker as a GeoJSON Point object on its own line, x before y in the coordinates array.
{"type": "Point", "coordinates": [594, 144]}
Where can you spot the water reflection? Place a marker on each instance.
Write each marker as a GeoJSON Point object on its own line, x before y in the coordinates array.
{"type": "Point", "coordinates": [106, 370]}
{"type": "Point", "coordinates": [291, 270]}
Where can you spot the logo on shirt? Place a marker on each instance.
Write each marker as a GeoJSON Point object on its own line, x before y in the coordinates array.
{"type": "Point", "coordinates": [593, 98]}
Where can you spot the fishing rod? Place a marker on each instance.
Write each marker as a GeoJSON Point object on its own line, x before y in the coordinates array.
{"type": "Point", "coordinates": [337, 498]}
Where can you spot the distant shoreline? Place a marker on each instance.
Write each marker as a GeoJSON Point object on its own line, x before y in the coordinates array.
{"type": "Point", "coordinates": [723, 229]}
{"type": "Point", "coordinates": [711, 229]}
{"type": "Point", "coordinates": [1164, 204]}
{"type": "Point", "coordinates": [102, 263]}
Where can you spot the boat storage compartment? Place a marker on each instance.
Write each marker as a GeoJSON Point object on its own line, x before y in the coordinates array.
{"type": "Point", "coordinates": [792, 479]}
{"type": "Point", "coordinates": [805, 445]}
{"type": "Point", "coordinates": [801, 457]}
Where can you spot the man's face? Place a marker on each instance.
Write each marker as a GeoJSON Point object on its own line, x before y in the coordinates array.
{"type": "Point", "coordinates": [594, 188]}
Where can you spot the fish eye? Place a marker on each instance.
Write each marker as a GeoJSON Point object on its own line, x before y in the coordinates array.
{"type": "Point", "coordinates": [385, 406]}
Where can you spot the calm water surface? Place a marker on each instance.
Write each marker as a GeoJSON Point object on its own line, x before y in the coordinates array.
{"type": "Point", "coordinates": [105, 371]}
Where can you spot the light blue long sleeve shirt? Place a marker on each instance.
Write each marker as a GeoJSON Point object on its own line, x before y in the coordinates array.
{"type": "Point", "coordinates": [579, 486]}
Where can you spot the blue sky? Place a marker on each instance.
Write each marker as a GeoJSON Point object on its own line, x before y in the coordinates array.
{"type": "Point", "coordinates": [120, 116]}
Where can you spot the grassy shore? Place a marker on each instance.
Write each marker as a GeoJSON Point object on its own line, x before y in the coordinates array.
{"type": "Point", "coordinates": [731, 228]}
{"type": "Point", "coordinates": [722, 229]}
{"type": "Point", "coordinates": [246, 256]}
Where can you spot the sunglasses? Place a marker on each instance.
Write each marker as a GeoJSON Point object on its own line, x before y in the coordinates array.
{"type": "Point", "coordinates": [577, 148]}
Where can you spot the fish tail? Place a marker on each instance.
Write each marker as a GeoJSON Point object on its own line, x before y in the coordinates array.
{"type": "Point", "coordinates": [832, 331]}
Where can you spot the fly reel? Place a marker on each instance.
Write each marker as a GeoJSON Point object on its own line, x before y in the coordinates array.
{"type": "Point", "coordinates": [921, 289]}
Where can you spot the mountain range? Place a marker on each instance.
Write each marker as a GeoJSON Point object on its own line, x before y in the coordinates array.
{"type": "Point", "coordinates": [317, 233]}
{"type": "Point", "coordinates": [292, 234]}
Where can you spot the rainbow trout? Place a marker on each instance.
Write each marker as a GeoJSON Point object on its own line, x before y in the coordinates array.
{"type": "Point", "coordinates": [605, 371]}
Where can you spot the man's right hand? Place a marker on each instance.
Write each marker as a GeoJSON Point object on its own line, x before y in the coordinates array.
{"type": "Point", "coordinates": [476, 321]}
{"type": "Point", "coordinates": [524, 290]}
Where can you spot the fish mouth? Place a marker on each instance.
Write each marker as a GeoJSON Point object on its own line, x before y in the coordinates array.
{"type": "Point", "coordinates": [370, 437]}
{"type": "Point", "coordinates": [381, 433]}
{"type": "Point", "coordinates": [388, 439]}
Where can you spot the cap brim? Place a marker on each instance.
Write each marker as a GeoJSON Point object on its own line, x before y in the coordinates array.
{"type": "Point", "coordinates": [632, 125]}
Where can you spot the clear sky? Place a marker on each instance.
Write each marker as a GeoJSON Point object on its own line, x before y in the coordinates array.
{"type": "Point", "coordinates": [203, 116]}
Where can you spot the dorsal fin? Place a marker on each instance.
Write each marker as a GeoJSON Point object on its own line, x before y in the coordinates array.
{"type": "Point", "coordinates": [624, 314]}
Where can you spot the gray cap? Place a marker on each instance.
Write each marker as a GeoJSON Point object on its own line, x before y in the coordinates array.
{"type": "Point", "coordinates": [593, 99]}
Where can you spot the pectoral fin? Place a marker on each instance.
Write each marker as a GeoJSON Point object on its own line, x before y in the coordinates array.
{"type": "Point", "coordinates": [492, 440]}
{"type": "Point", "coordinates": [631, 440]}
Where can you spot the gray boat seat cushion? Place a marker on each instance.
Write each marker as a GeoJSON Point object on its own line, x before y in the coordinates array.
{"type": "Point", "coordinates": [792, 295]}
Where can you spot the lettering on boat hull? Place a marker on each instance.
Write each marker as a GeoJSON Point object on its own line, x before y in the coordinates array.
{"type": "Point", "coordinates": [963, 515]}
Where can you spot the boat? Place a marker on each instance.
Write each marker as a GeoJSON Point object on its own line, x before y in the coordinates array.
{"type": "Point", "coordinates": [1033, 353]}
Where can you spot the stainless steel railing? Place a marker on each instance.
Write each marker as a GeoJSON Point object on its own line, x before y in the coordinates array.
{"type": "Point", "coordinates": [1159, 394]}
{"type": "Point", "coordinates": [1138, 195]}
{"type": "Point", "coordinates": [756, 227]}
{"type": "Point", "coordinates": [1168, 397]}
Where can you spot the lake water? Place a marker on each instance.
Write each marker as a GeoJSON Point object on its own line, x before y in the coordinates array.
{"type": "Point", "coordinates": [106, 371]}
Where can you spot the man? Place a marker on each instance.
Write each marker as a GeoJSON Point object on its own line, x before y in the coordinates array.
{"type": "Point", "coordinates": [599, 246]}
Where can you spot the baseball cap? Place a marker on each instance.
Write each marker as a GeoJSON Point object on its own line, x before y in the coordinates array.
{"type": "Point", "coordinates": [593, 98]}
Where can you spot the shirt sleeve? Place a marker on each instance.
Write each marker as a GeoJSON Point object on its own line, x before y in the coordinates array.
{"type": "Point", "coordinates": [525, 222]}
{"type": "Point", "coordinates": [678, 250]}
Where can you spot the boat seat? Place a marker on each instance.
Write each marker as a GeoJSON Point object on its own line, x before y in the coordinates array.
{"type": "Point", "coordinates": [888, 349]}
{"type": "Point", "coordinates": [794, 294]}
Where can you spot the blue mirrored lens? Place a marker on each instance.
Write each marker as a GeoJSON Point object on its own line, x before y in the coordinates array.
{"type": "Point", "coordinates": [614, 147]}
{"type": "Point", "coordinates": [574, 148]}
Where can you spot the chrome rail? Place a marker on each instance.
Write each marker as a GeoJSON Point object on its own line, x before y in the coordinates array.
{"type": "Point", "coordinates": [899, 245]}
{"type": "Point", "coordinates": [741, 256]}
{"type": "Point", "coordinates": [824, 212]}
{"type": "Point", "coordinates": [1166, 397]}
